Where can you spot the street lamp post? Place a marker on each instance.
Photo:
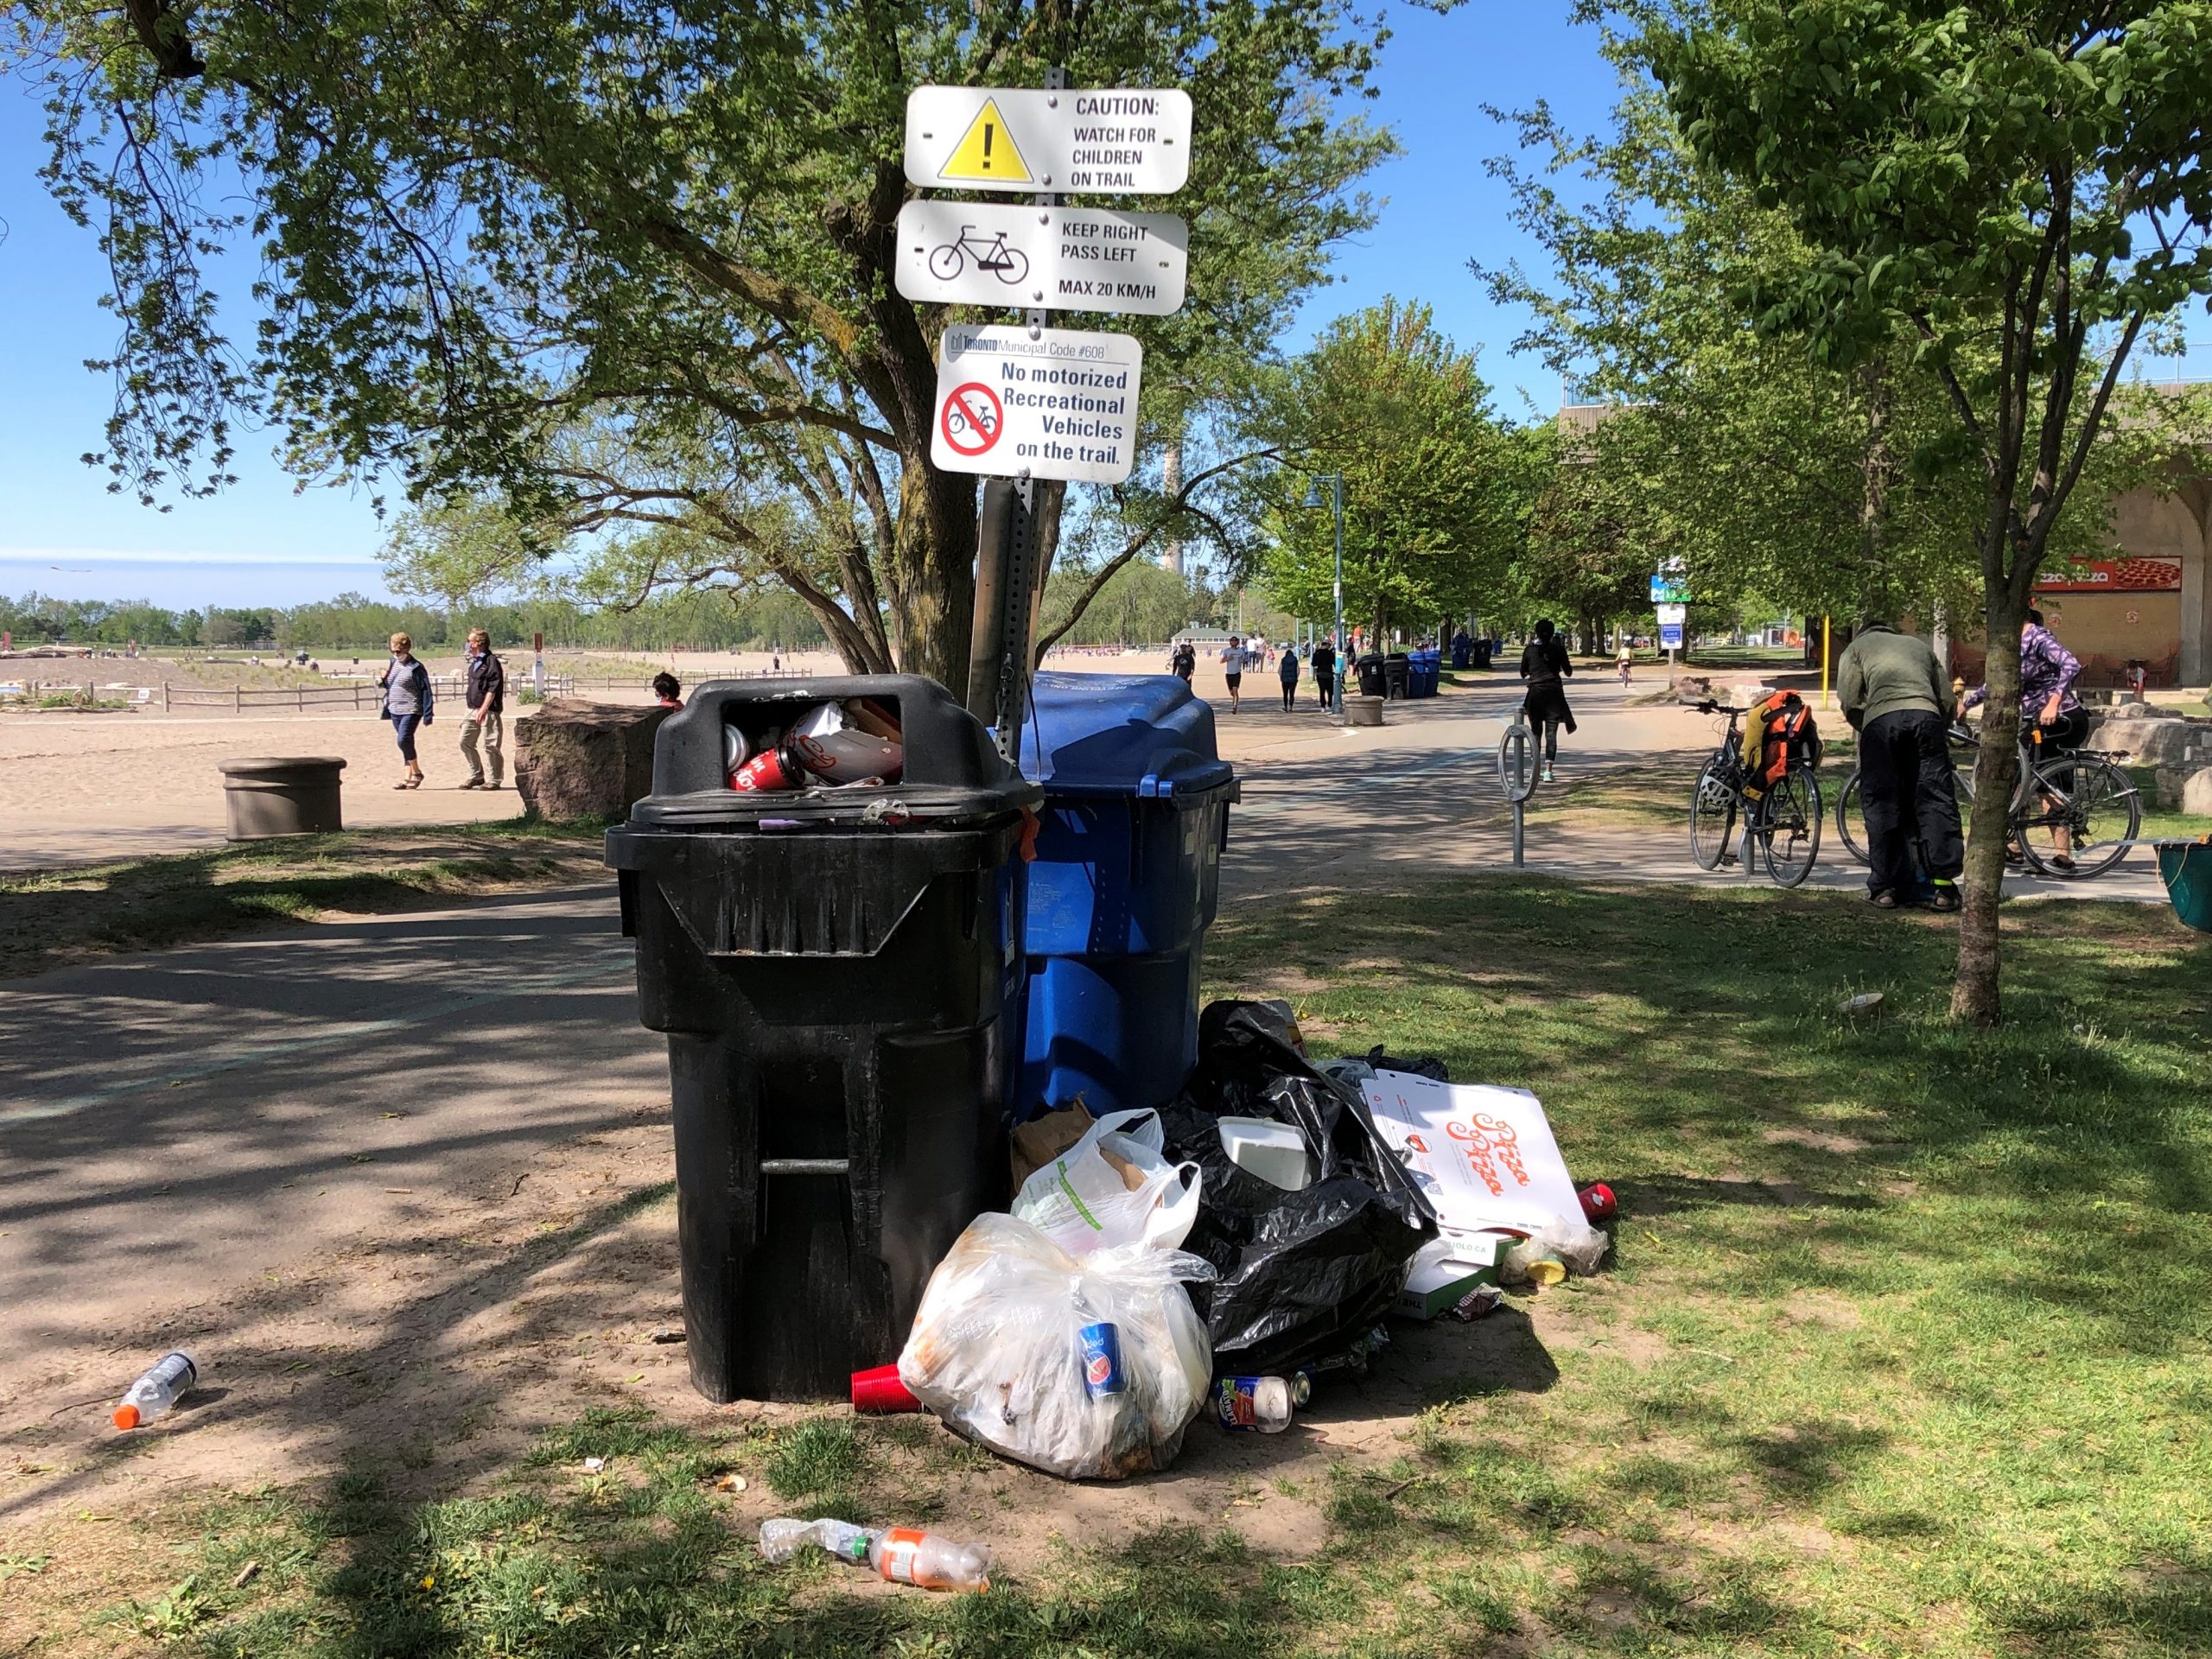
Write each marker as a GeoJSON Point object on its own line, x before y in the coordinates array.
{"type": "Point", "coordinates": [1336, 499]}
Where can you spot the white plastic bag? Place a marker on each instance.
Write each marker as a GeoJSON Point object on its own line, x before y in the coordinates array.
{"type": "Point", "coordinates": [997, 1349]}
{"type": "Point", "coordinates": [1578, 1247]}
{"type": "Point", "coordinates": [1085, 1200]}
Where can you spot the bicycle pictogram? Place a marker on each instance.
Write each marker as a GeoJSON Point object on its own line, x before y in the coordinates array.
{"type": "Point", "coordinates": [1009, 265]}
{"type": "Point", "coordinates": [971, 419]}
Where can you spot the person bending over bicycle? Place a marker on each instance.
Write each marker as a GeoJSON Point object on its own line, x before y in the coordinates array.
{"type": "Point", "coordinates": [2048, 707]}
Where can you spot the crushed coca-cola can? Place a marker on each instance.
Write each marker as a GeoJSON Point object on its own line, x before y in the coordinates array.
{"type": "Point", "coordinates": [775, 768]}
{"type": "Point", "coordinates": [846, 742]}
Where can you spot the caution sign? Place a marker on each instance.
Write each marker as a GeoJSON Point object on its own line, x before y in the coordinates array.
{"type": "Point", "coordinates": [987, 153]}
{"type": "Point", "coordinates": [1119, 140]}
{"type": "Point", "coordinates": [1047, 402]}
{"type": "Point", "coordinates": [970, 418]}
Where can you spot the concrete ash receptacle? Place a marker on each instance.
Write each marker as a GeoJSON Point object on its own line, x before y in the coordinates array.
{"type": "Point", "coordinates": [294, 795]}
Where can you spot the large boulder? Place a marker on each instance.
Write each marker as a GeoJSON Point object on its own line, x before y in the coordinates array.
{"type": "Point", "coordinates": [2197, 794]}
{"type": "Point", "coordinates": [579, 760]}
{"type": "Point", "coordinates": [2156, 741]}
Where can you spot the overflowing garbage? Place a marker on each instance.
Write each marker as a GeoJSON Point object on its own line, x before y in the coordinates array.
{"type": "Point", "coordinates": [851, 742]}
{"type": "Point", "coordinates": [1232, 1251]}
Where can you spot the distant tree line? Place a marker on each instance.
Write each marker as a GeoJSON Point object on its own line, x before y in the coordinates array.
{"type": "Point", "coordinates": [715, 619]}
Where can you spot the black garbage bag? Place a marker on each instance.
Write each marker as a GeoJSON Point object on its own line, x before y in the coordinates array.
{"type": "Point", "coordinates": [1305, 1275]}
{"type": "Point", "coordinates": [1422, 1065]}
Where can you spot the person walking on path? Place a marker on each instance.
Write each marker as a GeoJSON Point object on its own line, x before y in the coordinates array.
{"type": "Point", "coordinates": [406, 688]}
{"type": "Point", "coordinates": [1183, 661]}
{"type": "Point", "coordinates": [1895, 696]}
{"type": "Point", "coordinates": [1325, 674]}
{"type": "Point", "coordinates": [2051, 716]}
{"type": "Point", "coordinates": [1232, 669]}
{"type": "Point", "coordinates": [668, 689]}
{"type": "Point", "coordinates": [1287, 673]}
{"type": "Point", "coordinates": [486, 692]}
{"type": "Point", "coordinates": [1545, 665]}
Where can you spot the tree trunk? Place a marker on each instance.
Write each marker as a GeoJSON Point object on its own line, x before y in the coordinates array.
{"type": "Point", "coordinates": [936, 554]}
{"type": "Point", "coordinates": [1974, 986]}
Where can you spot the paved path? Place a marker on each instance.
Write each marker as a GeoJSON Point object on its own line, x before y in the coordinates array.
{"type": "Point", "coordinates": [173, 1122]}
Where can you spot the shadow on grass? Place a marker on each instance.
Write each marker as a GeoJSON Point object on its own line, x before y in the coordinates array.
{"type": "Point", "coordinates": [176, 898]}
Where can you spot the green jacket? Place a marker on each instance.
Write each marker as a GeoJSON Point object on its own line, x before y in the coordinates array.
{"type": "Point", "coordinates": [1885, 672]}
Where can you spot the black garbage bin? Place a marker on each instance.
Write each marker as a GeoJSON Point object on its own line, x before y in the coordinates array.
{"type": "Point", "coordinates": [1372, 681]}
{"type": "Point", "coordinates": [1397, 676]}
{"type": "Point", "coordinates": [839, 972]}
{"type": "Point", "coordinates": [1482, 653]}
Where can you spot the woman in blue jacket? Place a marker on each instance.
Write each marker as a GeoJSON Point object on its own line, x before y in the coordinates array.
{"type": "Point", "coordinates": [406, 688]}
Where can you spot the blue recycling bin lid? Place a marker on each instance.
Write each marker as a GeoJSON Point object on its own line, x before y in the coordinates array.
{"type": "Point", "coordinates": [1122, 735]}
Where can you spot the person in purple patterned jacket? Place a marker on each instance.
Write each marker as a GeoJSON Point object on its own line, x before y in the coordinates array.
{"type": "Point", "coordinates": [2051, 716]}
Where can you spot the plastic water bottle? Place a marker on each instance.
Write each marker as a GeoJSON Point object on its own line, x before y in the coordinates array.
{"type": "Point", "coordinates": [170, 1379]}
{"type": "Point", "coordinates": [902, 1554]}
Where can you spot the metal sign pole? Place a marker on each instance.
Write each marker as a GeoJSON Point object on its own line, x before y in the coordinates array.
{"type": "Point", "coordinates": [1006, 596]}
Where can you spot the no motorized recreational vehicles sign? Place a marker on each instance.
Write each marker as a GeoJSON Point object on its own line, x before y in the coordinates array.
{"type": "Point", "coordinates": [1043, 403]}
{"type": "Point", "coordinates": [1118, 140]}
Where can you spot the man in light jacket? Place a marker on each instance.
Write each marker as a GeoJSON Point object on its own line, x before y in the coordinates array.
{"type": "Point", "coordinates": [1895, 694]}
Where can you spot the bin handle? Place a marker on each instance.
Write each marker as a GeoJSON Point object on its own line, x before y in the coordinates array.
{"type": "Point", "coordinates": [806, 1165]}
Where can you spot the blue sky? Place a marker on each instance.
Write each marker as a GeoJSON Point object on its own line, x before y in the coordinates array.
{"type": "Point", "coordinates": [263, 542]}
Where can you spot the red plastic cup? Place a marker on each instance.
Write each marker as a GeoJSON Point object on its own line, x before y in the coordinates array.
{"type": "Point", "coordinates": [880, 1390]}
{"type": "Point", "coordinates": [1598, 1202]}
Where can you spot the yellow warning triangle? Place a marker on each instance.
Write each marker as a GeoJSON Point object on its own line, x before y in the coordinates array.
{"type": "Point", "coordinates": [987, 150]}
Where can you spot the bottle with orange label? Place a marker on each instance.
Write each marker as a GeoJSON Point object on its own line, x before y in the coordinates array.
{"type": "Point", "coordinates": [902, 1554]}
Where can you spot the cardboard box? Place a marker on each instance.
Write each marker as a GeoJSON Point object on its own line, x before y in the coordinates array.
{"type": "Point", "coordinates": [1441, 1275]}
{"type": "Point", "coordinates": [1485, 1156]}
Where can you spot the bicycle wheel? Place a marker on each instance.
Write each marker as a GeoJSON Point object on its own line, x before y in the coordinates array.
{"type": "Point", "coordinates": [1789, 829]}
{"type": "Point", "coordinates": [1850, 820]}
{"type": "Point", "coordinates": [945, 261]}
{"type": "Point", "coordinates": [1713, 816]}
{"type": "Point", "coordinates": [2082, 807]}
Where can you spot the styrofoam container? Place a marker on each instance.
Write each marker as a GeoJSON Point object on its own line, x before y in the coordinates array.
{"type": "Point", "coordinates": [1275, 1152]}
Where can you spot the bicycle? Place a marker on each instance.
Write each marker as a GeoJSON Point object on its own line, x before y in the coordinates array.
{"type": "Point", "coordinates": [1780, 820]}
{"type": "Point", "coordinates": [2080, 795]}
{"type": "Point", "coordinates": [1851, 817]}
{"type": "Point", "coordinates": [1009, 265]}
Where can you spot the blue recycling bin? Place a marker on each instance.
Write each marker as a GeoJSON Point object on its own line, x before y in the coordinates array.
{"type": "Point", "coordinates": [1428, 673]}
{"type": "Point", "coordinates": [1125, 882]}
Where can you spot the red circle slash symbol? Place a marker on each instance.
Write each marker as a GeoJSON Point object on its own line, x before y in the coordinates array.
{"type": "Point", "coordinates": [971, 418]}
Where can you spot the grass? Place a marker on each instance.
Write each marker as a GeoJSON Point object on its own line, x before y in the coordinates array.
{"type": "Point", "coordinates": [1904, 1352]}
{"type": "Point", "coordinates": [50, 917]}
